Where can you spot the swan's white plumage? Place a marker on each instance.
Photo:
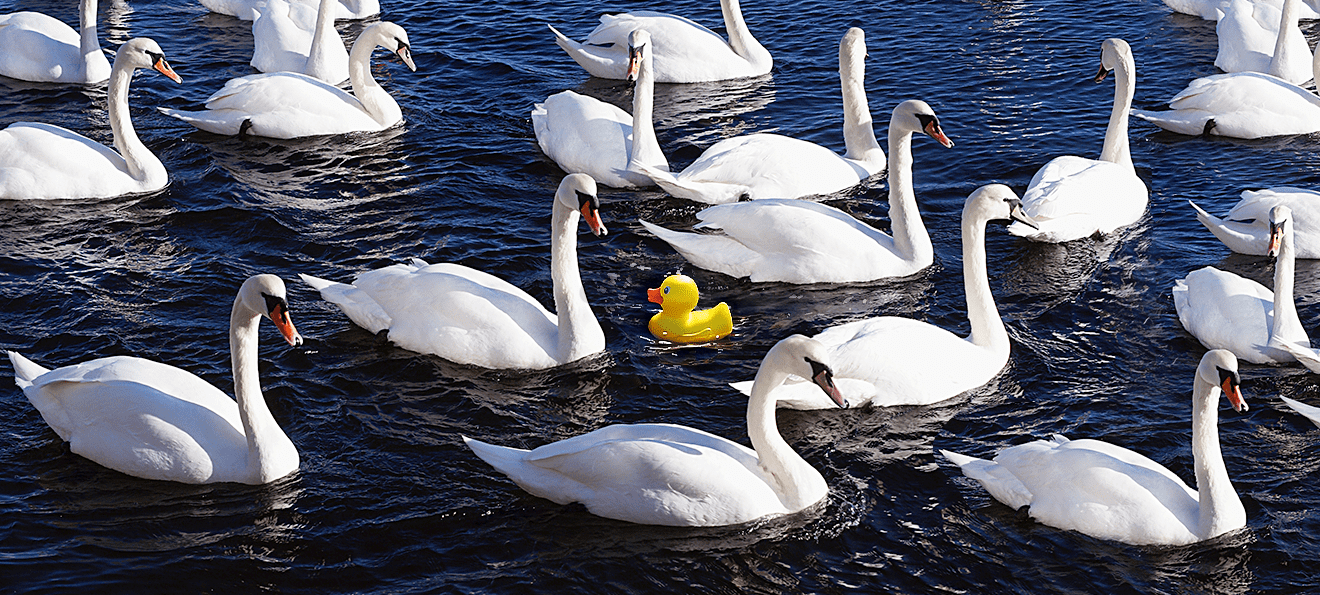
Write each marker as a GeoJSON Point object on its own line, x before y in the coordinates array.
{"type": "Point", "coordinates": [1245, 229]}
{"type": "Point", "coordinates": [766, 165]}
{"type": "Point", "coordinates": [1259, 37]}
{"type": "Point", "coordinates": [795, 241]}
{"type": "Point", "coordinates": [155, 421]}
{"type": "Point", "coordinates": [248, 10]}
{"type": "Point", "coordinates": [1110, 492]}
{"type": "Point", "coordinates": [664, 474]}
{"type": "Point", "coordinates": [296, 37]}
{"type": "Point", "coordinates": [685, 52]}
{"type": "Point", "coordinates": [37, 47]}
{"type": "Point", "coordinates": [471, 317]}
{"type": "Point", "coordinates": [1075, 197]}
{"type": "Point", "coordinates": [1308, 411]}
{"type": "Point", "coordinates": [890, 360]}
{"type": "Point", "coordinates": [1211, 10]}
{"type": "Point", "coordinates": [41, 161]}
{"type": "Point", "coordinates": [292, 105]}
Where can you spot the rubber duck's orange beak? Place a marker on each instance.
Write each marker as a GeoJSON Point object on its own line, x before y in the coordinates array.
{"type": "Point", "coordinates": [654, 296]}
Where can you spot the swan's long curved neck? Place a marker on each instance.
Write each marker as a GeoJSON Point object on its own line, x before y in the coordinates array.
{"type": "Point", "coordinates": [139, 160]}
{"type": "Point", "coordinates": [577, 322]}
{"type": "Point", "coordinates": [982, 313]}
{"type": "Point", "coordinates": [740, 37]}
{"type": "Point", "coordinates": [1116, 135]}
{"type": "Point", "coordinates": [1220, 508]}
{"type": "Point", "coordinates": [1288, 31]}
{"type": "Point", "coordinates": [257, 419]}
{"type": "Point", "coordinates": [645, 146]}
{"type": "Point", "coordinates": [1286, 321]}
{"type": "Point", "coordinates": [88, 43]}
{"type": "Point", "coordinates": [318, 57]}
{"type": "Point", "coordinates": [375, 101]}
{"type": "Point", "coordinates": [911, 240]}
{"type": "Point", "coordinates": [778, 458]}
{"type": "Point", "coordinates": [858, 128]}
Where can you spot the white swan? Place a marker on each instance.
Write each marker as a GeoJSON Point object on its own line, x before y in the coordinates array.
{"type": "Point", "coordinates": [664, 474]}
{"type": "Point", "coordinates": [292, 105]}
{"type": "Point", "coordinates": [1211, 10]}
{"type": "Point", "coordinates": [36, 47]}
{"type": "Point", "coordinates": [891, 360]}
{"type": "Point", "coordinates": [1245, 229]}
{"type": "Point", "coordinates": [1308, 411]}
{"type": "Point", "coordinates": [1075, 197]}
{"type": "Point", "coordinates": [1110, 492]}
{"type": "Point", "coordinates": [586, 135]}
{"type": "Point", "coordinates": [248, 10]}
{"type": "Point", "coordinates": [44, 161]}
{"type": "Point", "coordinates": [776, 166]}
{"type": "Point", "coordinates": [155, 421]}
{"type": "Point", "coordinates": [295, 37]}
{"type": "Point", "coordinates": [685, 52]}
{"type": "Point", "coordinates": [798, 241]}
{"type": "Point", "coordinates": [1225, 311]}
{"type": "Point", "coordinates": [474, 318]}
{"type": "Point", "coordinates": [1262, 38]}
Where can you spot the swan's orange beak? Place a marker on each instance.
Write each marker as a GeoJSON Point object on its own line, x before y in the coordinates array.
{"type": "Point", "coordinates": [933, 129]}
{"type": "Point", "coordinates": [1276, 238]}
{"type": "Point", "coordinates": [634, 63]}
{"type": "Point", "coordinates": [1100, 76]}
{"type": "Point", "coordinates": [163, 67]}
{"type": "Point", "coordinates": [655, 296]}
{"type": "Point", "coordinates": [1234, 394]}
{"type": "Point", "coordinates": [592, 217]}
{"type": "Point", "coordinates": [280, 316]}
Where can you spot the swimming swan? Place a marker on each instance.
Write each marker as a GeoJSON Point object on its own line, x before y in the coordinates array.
{"type": "Point", "coordinates": [1110, 492]}
{"type": "Point", "coordinates": [248, 10]}
{"type": "Point", "coordinates": [155, 421]}
{"type": "Point", "coordinates": [798, 241]}
{"type": "Point", "coordinates": [470, 317]}
{"type": "Point", "coordinates": [292, 105]}
{"type": "Point", "coordinates": [36, 47]}
{"type": "Point", "coordinates": [295, 37]}
{"type": "Point", "coordinates": [1263, 38]}
{"type": "Point", "coordinates": [44, 161]}
{"type": "Point", "coordinates": [664, 474]}
{"type": "Point", "coordinates": [891, 360]}
{"type": "Point", "coordinates": [1245, 229]}
{"type": "Point", "coordinates": [1075, 197]}
{"type": "Point", "coordinates": [685, 52]}
{"type": "Point", "coordinates": [767, 165]}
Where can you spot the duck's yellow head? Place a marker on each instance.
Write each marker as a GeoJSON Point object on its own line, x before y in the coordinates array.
{"type": "Point", "coordinates": [677, 294]}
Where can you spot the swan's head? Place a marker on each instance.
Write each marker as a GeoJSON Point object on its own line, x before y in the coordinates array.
{"type": "Point", "coordinates": [915, 115]}
{"type": "Point", "coordinates": [1114, 52]}
{"type": "Point", "coordinates": [578, 193]}
{"type": "Point", "coordinates": [852, 48]}
{"type": "Point", "coordinates": [393, 38]}
{"type": "Point", "coordinates": [264, 295]}
{"type": "Point", "coordinates": [1280, 227]}
{"type": "Point", "coordinates": [1219, 367]}
{"type": "Point", "coordinates": [142, 52]}
{"type": "Point", "coordinates": [996, 201]}
{"type": "Point", "coordinates": [808, 358]}
{"type": "Point", "coordinates": [639, 52]}
{"type": "Point", "coordinates": [678, 293]}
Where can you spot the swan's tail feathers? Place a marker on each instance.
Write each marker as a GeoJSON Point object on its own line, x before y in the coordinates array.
{"type": "Point", "coordinates": [711, 193]}
{"type": "Point", "coordinates": [1305, 354]}
{"type": "Point", "coordinates": [1311, 413]}
{"type": "Point", "coordinates": [207, 120]}
{"type": "Point", "coordinates": [502, 458]}
{"type": "Point", "coordinates": [563, 41]}
{"type": "Point", "coordinates": [359, 306]}
{"type": "Point", "coordinates": [1191, 123]}
{"type": "Point", "coordinates": [995, 478]}
{"type": "Point", "coordinates": [1205, 218]}
{"type": "Point", "coordinates": [713, 252]}
{"type": "Point", "coordinates": [25, 370]}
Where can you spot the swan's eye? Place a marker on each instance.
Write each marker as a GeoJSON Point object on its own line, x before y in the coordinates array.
{"type": "Point", "coordinates": [1226, 375]}
{"type": "Point", "coordinates": [276, 307]}
{"type": "Point", "coordinates": [585, 200]}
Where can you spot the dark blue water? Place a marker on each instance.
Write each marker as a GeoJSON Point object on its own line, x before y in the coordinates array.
{"type": "Point", "coordinates": [388, 500]}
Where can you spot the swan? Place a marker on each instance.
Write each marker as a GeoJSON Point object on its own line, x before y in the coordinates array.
{"type": "Point", "coordinates": [470, 317]}
{"type": "Point", "coordinates": [1262, 38]}
{"type": "Point", "coordinates": [685, 52]}
{"type": "Point", "coordinates": [1245, 229]}
{"type": "Point", "coordinates": [36, 47]}
{"type": "Point", "coordinates": [776, 166]}
{"type": "Point", "coordinates": [1110, 492]}
{"type": "Point", "coordinates": [891, 360]}
{"type": "Point", "coordinates": [1211, 10]}
{"type": "Point", "coordinates": [586, 135]}
{"type": "Point", "coordinates": [294, 37]}
{"type": "Point", "coordinates": [1308, 411]}
{"type": "Point", "coordinates": [798, 241]}
{"type": "Point", "coordinates": [44, 161]}
{"type": "Point", "coordinates": [292, 105]}
{"type": "Point", "coordinates": [1075, 197]}
{"type": "Point", "coordinates": [155, 421]}
{"type": "Point", "coordinates": [1225, 311]}
{"type": "Point", "coordinates": [664, 474]}
{"type": "Point", "coordinates": [249, 10]}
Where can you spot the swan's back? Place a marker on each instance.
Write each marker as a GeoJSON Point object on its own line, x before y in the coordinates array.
{"type": "Point", "coordinates": [684, 51]}
{"type": "Point", "coordinates": [280, 105]}
{"type": "Point", "coordinates": [38, 47]}
{"type": "Point", "coordinates": [1074, 197]}
{"type": "Point", "coordinates": [777, 166]}
{"type": "Point", "coordinates": [1226, 311]}
{"type": "Point", "coordinates": [44, 161]}
{"type": "Point", "coordinates": [585, 135]}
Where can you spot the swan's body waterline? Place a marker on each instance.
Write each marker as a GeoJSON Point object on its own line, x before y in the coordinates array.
{"type": "Point", "coordinates": [155, 421]}
{"type": "Point", "coordinates": [663, 474]}
{"type": "Point", "coordinates": [796, 241]}
{"type": "Point", "coordinates": [891, 360]}
{"type": "Point", "coordinates": [40, 161]}
{"type": "Point", "coordinates": [294, 37]}
{"type": "Point", "coordinates": [763, 165]}
{"type": "Point", "coordinates": [36, 47]}
{"type": "Point", "coordinates": [471, 317]}
{"type": "Point", "coordinates": [289, 105]}
{"type": "Point", "coordinates": [685, 52]}
{"type": "Point", "coordinates": [1109, 492]}
{"type": "Point", "coordinates": [1075, 197]}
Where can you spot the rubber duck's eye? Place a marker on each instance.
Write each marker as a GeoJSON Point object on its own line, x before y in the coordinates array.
{"type": "Point", "coordinates": [666, 291]}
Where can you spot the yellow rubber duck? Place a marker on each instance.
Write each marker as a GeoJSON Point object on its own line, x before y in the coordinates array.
{"type": "Point", "coordinates": [677, 322]}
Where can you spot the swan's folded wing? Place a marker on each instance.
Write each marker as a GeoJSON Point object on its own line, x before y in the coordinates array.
{"type": "Point", "coordinates": [715, 252]}
{"type": "Point", "coordinates": [1310, 412]}
{"type": "Point", "coordinates": [997, 479]}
